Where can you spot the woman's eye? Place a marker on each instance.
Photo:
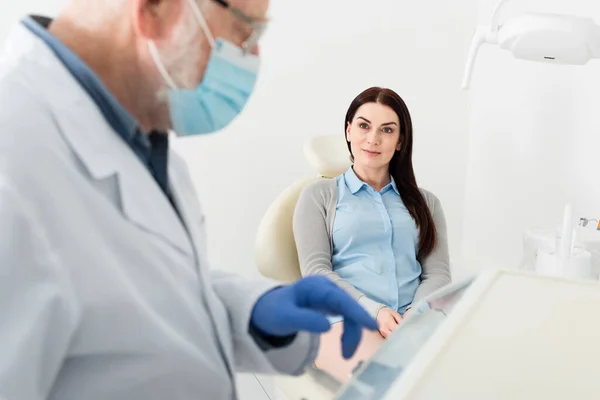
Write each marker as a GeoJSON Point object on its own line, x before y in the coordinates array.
{"type": "Point", "coordinates": [363, 126]}
{"type": "Point", "coordinates": [388, 130]}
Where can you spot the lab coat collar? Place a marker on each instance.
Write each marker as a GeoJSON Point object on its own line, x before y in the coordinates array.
{"type": "Point", "coordinates": [185, 200]}
{"type": "Point", "coordinates": [103, 153]}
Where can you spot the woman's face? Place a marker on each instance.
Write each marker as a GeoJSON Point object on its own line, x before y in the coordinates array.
{"type": "Point", "coordinates": [374, 135]}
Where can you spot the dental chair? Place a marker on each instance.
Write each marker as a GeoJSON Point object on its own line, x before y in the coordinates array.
{"type": "Point", "coordinates": [275, 249]}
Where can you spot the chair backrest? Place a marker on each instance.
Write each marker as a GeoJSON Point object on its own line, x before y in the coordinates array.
{"type": "Point", "coordinates": [275, 252]}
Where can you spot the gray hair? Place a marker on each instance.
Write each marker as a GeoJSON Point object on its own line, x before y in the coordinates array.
{"type": "Point", "coordinates": [116, 5]}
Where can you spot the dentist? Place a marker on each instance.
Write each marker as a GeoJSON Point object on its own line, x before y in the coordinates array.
{"type": "Point", "coordinates": [105, 288]}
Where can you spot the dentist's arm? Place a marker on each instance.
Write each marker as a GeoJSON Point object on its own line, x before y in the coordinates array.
{"type": "Point", "coordinates": [276, 328]}
{"type": "Point", "coordinates": [38, 310]}
{"type": "Point", "coordinates": [257, 351]}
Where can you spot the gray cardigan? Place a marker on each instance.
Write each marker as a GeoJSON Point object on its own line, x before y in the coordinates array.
{"type": "Point", "coordinates": [313, 224]}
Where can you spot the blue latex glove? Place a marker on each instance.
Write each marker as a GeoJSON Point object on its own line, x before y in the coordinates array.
{"type": "Point", "coordinates": [304, 306]}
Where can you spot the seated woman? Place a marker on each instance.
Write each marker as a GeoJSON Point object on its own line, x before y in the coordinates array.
{"type": "Point", "coordinates": [372, 230]}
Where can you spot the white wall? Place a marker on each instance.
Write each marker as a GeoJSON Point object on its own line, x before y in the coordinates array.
{"type": "Point", "coordinates": [534, 140]}
{"type": "Point", "coordinates": [318, 55]}
{"type": "Point", "coordinates": [13, 11]}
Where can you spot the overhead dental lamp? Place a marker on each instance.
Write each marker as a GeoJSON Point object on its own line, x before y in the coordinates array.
{"type": "Point", "coordinates": [549, 38]}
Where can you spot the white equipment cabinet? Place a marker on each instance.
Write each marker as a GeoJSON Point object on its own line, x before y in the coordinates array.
{"type": "Point", "coordinates": [503, 335]}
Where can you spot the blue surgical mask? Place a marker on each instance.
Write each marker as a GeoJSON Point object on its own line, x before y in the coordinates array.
{"type": "Point", "coordinates": [222, 94]}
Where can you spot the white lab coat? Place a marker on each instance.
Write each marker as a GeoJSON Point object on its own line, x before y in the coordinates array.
{"type": "Point", "coordinates": [103, 294]}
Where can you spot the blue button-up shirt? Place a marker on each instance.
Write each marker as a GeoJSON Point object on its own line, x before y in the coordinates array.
{"type": "Point", "coordinates": [151, 149]}
{"type": "Point", "coordinates": [375, 242]}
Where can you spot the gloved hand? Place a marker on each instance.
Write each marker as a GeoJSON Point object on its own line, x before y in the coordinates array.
{"type": "Point", "coordinates": [304, 305]}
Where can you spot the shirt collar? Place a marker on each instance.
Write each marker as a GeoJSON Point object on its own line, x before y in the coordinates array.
{"type": "Point", "coordinates": [355, 184]}
{"type": "Point", "coordinates": [119, 118]}
{"type": "Point", "coordinates": [392, 184]}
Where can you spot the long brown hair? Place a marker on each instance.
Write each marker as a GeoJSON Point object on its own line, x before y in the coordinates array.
{"type": "Point", "coordinates": [401, 168]}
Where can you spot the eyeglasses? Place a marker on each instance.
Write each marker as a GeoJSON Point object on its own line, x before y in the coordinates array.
{"type": "Point", "coordinates": [258, 26]}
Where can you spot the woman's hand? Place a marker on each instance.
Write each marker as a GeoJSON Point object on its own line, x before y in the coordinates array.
{"type": "Point", "coordinates": [388, 320]}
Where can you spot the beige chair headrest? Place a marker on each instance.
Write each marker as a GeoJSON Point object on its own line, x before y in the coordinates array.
{"type": "Point", "coordinates": [328, 155]}
{"type": "Point", "coordinates": [275, 252]}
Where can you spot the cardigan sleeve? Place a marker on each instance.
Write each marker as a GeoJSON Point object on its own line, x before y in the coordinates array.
{"type": "Point", "coordinates": [436, 266]}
